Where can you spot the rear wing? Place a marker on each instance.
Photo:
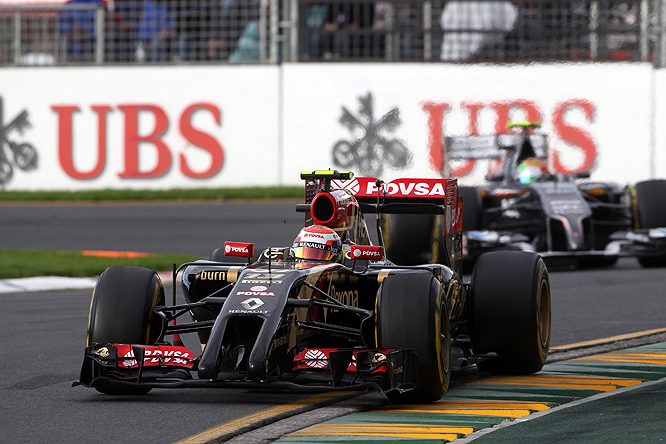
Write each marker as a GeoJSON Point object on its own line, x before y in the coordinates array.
{"type": "Point", "coordinates": [400, 196]}
{"type": "Point", "coordinates": [490, 147]}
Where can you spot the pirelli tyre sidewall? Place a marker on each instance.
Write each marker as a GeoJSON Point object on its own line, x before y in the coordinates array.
{"type": "Point", "coordinates": [650, 212]}
{"type": "Point", "coordinates": [509, 311]}
{"type": "Point", "coordinates": [412, 314]}
{"type": "Point", "coordinates": [121, 311]}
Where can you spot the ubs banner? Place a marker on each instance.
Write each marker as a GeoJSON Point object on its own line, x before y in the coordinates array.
{"type": "Point", "coordinates": [597, 117]}
{"type": "Point", "coordinates": [167, 127]}
{"type": "Point", "coordinates": [93, 128]}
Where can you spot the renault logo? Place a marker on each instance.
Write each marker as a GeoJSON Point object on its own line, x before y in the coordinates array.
{"type": "Point", "coordinates": [252, 303]}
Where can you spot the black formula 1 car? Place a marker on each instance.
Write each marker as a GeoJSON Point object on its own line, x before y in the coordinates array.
{"type": "Point", "coordinates": [360, 321]}
{"type": "Point", "coordinates": [568, 220]}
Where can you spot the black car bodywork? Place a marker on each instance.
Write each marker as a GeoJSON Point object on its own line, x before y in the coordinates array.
{"type": "Point", "coordinates": [365, 322]}
{"type": "Point", "coordinates": [568, 220]}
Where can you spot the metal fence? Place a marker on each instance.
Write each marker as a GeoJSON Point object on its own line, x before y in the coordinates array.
{"type": "Point", "coordinates": [271, 31]}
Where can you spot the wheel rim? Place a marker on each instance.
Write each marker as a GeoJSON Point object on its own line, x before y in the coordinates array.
{"type": "Point", "coordinates": [444, 340]}
{"type": "Point", "coordinates": [544, 314]}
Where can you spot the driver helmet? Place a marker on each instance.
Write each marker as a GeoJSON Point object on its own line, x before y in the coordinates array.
{"type": "Point", "coordinates": [531, 170]}
{"type": "Point", "coordinates": [317, 243]}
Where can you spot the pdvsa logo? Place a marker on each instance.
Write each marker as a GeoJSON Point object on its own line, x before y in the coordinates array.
{"type": "Point", "coordinates": [230, 249]}
{"type": "Point", "coordinates": [318, 236]}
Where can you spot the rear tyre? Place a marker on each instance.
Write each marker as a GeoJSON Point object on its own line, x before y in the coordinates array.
{"type": "Point", "coordinates": [471, 208]}
{"type": "Point", "coordinates": [121, 312]}
{"type": "Point", "coordinates": [650, 212]}
{"type": "Point", "coordinates": [471, 218]}
{"type": "Point", "coordinates": [413, 239]}
{"type": "Point", "coordinates": [412, 313]}
{"type": "Point", "coordinates": [510, 311]}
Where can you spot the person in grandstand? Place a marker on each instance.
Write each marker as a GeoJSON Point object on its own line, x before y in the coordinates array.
{"type": "Point", "coordinates": [78, 27]}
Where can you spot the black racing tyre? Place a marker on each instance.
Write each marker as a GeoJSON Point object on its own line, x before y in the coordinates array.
{"type": "Point", "coordinates": [510, 311]}
{"type": "Point", "coordinates": [413, 239]}
{"type": "Point", "coordinates": [121, 311]}
{"type": "Point", "coordinates": [471, 208]}
{"type": "Point", "coordinates": [412, 314]}
{"type": "Point", "coordinates": [650, 212]}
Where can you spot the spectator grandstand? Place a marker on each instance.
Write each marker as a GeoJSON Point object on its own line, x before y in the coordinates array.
{"type": "Point", "coordinates": [38, 32]}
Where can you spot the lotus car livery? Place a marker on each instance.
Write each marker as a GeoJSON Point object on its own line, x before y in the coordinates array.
{"type": "Point", "coordinates": [281, 322]}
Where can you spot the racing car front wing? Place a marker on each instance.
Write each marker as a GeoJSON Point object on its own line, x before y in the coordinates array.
{"type": "Point", "coordinates": [635, 243]}
{"type": "Point", "coordinates": [168, 366]}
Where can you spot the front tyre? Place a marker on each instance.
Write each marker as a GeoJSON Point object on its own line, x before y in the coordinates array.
{"type": "Point", "coordinates": [412, 313]}
{"type": "Point", "coordinates": [121, 312]}
{"type": "Point", "coordinates": [510, 311]}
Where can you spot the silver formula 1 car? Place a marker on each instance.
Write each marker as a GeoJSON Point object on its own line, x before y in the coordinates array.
{"type": "Point", "coordinates": [331, 311]}
{"type": "Point", "coordinates": [568, 220]}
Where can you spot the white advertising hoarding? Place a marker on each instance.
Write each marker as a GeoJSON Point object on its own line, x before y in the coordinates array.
{"type": "Point", "coordinates": [596, 116]}
{"type": "Point", "coordinates": [659, 125]}
{"type": "Point", "coordinates": [141, 127]}
{"type": "Point", "coordinates": [224, 126]}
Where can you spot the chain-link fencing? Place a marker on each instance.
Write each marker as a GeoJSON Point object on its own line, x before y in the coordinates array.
{"type": "Point", "coordinates": [270, 31]}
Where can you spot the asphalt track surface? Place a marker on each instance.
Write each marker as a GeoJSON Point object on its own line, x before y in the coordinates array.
{"type": "Point", "coordinates": [43, 333]}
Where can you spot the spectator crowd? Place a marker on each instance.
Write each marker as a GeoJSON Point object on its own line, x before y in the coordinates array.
{"type": "Point", "coordinates": [161, 31]}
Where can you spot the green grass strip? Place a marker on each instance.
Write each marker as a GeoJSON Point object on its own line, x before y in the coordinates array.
{"type": "Point", "coordinates": [139, 195]}
{"type": "Point", "coordinates": [27, 263]}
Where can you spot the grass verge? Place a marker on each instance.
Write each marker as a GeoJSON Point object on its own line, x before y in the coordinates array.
{"type": "Point", "coordinates": [27, 263]}
{"type": "Point", "coordinates": [143, 195]}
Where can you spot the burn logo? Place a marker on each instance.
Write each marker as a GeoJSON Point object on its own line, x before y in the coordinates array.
{"type": "Point", "coordinates": [21, 155]}
{"type": "Point", "coordinates": [372, 148]}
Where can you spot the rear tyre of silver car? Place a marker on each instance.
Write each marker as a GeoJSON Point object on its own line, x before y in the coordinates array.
{"type": "Point", "coordinates": [471, 208]}
{"type": "Point", "coordinates": [412, 314]}
{"type": "Point", "coordinates": [510, 311]}
{"type": "Point", "coordinates": [472, 218]}
{"type": "Point", "coordinates": [413, 239]}
{"type": "Point", "coordinates": [650, 212]}
{"type": "Point", "coordinates": [121, 312]}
